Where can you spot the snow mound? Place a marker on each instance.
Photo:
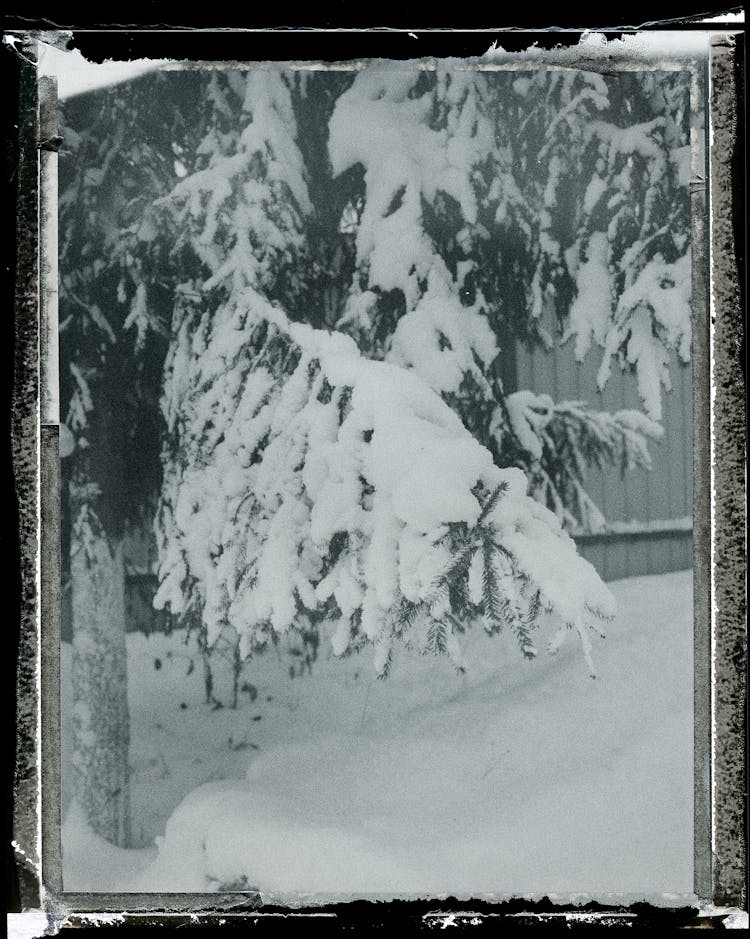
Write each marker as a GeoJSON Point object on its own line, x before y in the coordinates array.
{"type": "Point", "coordinates": [503, 781]}
{"type": "Point", "coordinates": [225, 831]}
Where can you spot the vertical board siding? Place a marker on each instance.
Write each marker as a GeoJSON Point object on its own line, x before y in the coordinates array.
{"type": "Point", "coordinates": [664, 492]}
{"type": "Point", "coordinates": [618, 556]}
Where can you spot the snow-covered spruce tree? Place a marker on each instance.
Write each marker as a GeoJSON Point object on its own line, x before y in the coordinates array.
{"type": "Point", "coordinates": [118, 161]}
{"type": "Point", "coordinates": [448, 212]}
{"type": "Point", "coordinates": [275, 512]}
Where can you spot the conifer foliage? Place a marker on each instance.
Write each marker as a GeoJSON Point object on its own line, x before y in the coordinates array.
{"type": "Point", "coordinates": [342, 494]}
{"type": "Point", "coordinates": [339, 268]}
{"type": "Point", "coordinates": [492, 198]}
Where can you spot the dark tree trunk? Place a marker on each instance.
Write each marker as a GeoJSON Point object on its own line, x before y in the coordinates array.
{"type": "Point", "coordinates": [101, 727]}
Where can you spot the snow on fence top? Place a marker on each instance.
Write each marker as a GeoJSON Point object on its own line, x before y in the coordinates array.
{"type": "Point", "coordinates": [313, 486]}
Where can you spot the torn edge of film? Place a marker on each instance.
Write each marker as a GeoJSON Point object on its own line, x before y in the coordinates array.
{"type": "Point", "coordinates": [719, 518]}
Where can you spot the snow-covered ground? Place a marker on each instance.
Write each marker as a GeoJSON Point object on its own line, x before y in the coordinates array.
{"type": "Point", "coordinates": [516, 778]}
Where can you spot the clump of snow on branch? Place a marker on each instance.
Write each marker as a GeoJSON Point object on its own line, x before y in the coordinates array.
{"type": "Point", "coordinates": [382, 124]}
{"type": "Point", "coordinates": [441, 339]}
{"type": "Point", "coordinates": [81, 402]}
{"type": "Point", "coordinates": [591, 311]}
{"type": "Point", "coordinates": [243, 210]}
{"type": "Point", "coordinates": [416, 149]}
{"type": "Point", "coordinates": [326, 487]}
{"type": "Point", "coordinates": [633, 278]}
{"type": "Point", "coordinates": [657, 305]}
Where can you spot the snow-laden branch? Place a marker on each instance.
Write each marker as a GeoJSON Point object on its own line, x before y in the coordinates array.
{"type": "Point", "coordinates": [561, 440]}
{"type": "Point", "coordinates": [306, 484]}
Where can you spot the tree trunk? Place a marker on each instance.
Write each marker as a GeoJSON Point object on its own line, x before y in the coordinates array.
{"type": "Point", "coordinates": [101, 727]}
